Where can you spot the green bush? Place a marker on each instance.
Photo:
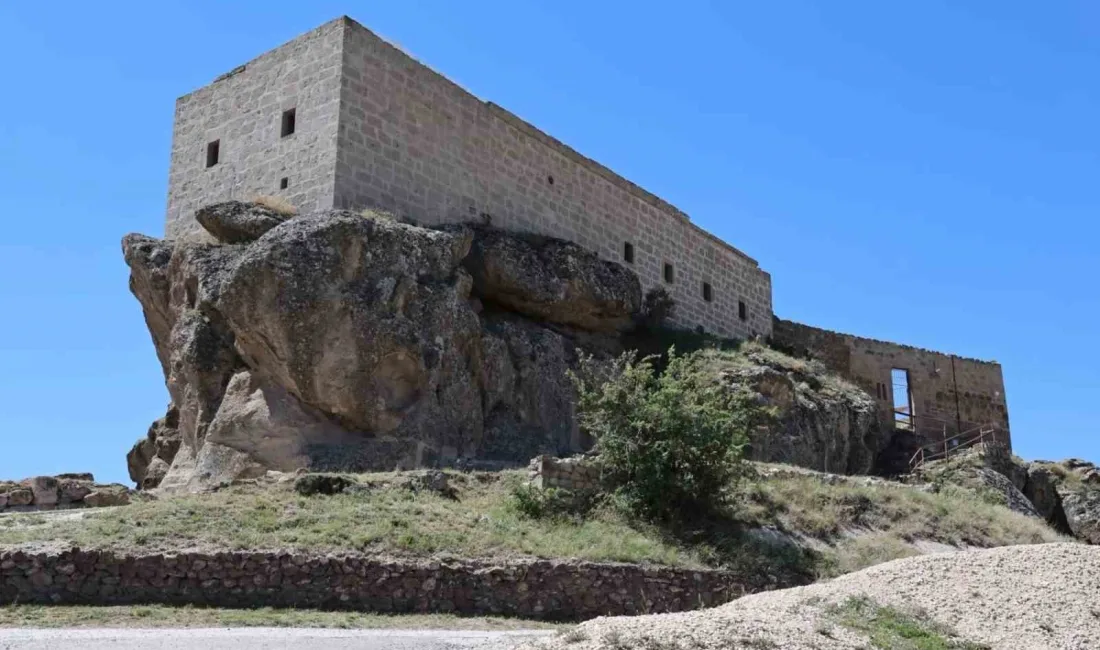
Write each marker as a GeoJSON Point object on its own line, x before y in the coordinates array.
{"type": "Point", "coordinates": [550, 503]}
{"type": "Point", "coordinates": [670, 444]}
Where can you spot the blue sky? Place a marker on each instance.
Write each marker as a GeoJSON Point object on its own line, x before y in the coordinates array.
{"type": "Point", "coordinates": [924, 173]}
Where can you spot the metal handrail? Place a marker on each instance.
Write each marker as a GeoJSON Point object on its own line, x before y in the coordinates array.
{"type": "Point", "coordinates": [974, 436]}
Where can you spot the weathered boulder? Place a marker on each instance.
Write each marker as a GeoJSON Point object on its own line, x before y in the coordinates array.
{"type": "Point", "coordinates": [1082, 510]}
{"type": "Point", "coordinates": [20, 497]}
{"type": "Point", "coordinates": [363, 319]}
{"type": "Point", "coordinates": [106, 497]}
{"type": "Point", "coordinates": [528, 398]}
{"type": "Point", "coordinates": [3, 500]}
{"type": "Point", "coordinates": [269, 425]}
{"type": "Point", "coordinates": [76, 476]}
{"type": "Point", "coordinates": [1077, 495]}
{"type": "Point", "coordinates": [334, 342]}
{"type": "Point", "coordinates": [1041, 489]}
{"type": "Point", "coordinates": [45, 490]}
{"type": "Point", "coordinates": [553, 280]}
{"type": "Point", "coordinates": [149, 459]}
{"type": "Point", "coordinates": [235, 222]}
{"type": "Point", "coordinates": [154, 473]}
{"type": "Point", "coordinates": [74, 490]}
{"type": "Point", "coordinates": [821, 421]}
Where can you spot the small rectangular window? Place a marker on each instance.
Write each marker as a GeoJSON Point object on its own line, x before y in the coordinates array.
{"type": "Point", "coordinates": [742, 311]}
{"type": "Point", "coordinates": [628, 253]}
{"type": "Point", "coordinates": [670, 275]}
{"type": "Point", "coordinates": [708, 293]}
{"type": "Point", "coordinates": [288, 123]}
{"type": "Point", "coordinates": [284, 182]}
{"type": "Point", "coordinates": [212, 153]}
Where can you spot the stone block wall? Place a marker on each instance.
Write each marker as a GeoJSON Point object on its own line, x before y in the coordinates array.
{"type": "Point", "coordinates": [375, 128]}
{"type": "Point", "coordinates": [948, 391]}
{"type": "Point", "coordinates": [413, 142]}
{"type": "Point", "coordinates": [566, 473]}
{"type": "Point", "coordinates": [546, 589]}
{"type": "Point", "coordinates": [242, 110]}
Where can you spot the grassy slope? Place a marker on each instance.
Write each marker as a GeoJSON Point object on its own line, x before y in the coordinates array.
{"type": "Point", "coordinates": [849, 526]}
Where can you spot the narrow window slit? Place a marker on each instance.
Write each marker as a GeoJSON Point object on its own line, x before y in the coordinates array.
{"type": "Point", "coordinates": [288, 123]}
{"type": "Point", "coordinates": [212, 153]}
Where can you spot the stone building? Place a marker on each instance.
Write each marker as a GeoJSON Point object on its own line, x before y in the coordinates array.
{"type": "Point", "coordinates": [340, 118]}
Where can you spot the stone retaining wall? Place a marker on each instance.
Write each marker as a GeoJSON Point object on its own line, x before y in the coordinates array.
{"type": "Point", "coordinates": [565, 473]}
{"type": "Point", "coordinates": [544, 589]}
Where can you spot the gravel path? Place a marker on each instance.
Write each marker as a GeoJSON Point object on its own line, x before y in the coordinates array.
{"type": "Point", "coordinates": [258, 639]}
{"type": "Point", "coordinates": [1036, 597]}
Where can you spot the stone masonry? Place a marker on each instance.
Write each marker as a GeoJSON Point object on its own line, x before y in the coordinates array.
{"type": "Point", "coordinates": [340, 118]}
{"type": "Point", "coordinates": [949, 393]}
{"type": "Point", "coordinates": [548, 589]}
{"type": "Point", "coordinates": [565, 473]}
{"type": "Point", "coordinates": [372, 127]}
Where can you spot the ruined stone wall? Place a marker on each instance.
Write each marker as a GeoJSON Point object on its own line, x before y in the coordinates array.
{"type": "Point", "coordinates": [548, 589]}
{"type": "Point", "coordinates": [413, 142]}
{"type": "Point", "coordinates": [947, 390]}
{"type": "Point", "coordinates": [242, 111]}
{"type": "Point", "coordinates": [565, 473]}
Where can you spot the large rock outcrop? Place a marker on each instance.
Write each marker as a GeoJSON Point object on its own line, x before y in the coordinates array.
{"type": "Point", "coordinates": [821, 421]}
{"type": "Point", "coordinates": [1066, 494]}
{"type": "Point", "coordinates": [339, 341]}
{"type": "Point", "coordinates": [553, 280]}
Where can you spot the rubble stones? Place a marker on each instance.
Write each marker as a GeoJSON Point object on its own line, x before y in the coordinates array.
{"type": "Point", "coordinates": [61, 491]}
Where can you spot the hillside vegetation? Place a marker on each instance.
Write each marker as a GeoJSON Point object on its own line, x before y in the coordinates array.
{"type": "Point", "coordinates": [795, 525]}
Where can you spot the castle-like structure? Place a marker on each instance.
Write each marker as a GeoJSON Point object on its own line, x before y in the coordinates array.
{"type": "Point", "coordinates": [339, 118]}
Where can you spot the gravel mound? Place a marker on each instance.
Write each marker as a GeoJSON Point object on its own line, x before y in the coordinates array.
{"type": "Point", "coordinates": [1043, 596]}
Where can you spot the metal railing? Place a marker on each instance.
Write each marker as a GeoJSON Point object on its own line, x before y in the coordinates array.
{"type": "Point", "coordinates": [982, 434]}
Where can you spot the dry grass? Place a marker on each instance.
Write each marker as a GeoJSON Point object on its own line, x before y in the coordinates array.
{"type": "Point", "coordinates": [481, 522]}
{"type": "Point", "coordinates": [277, 204]}
{"type": "Point", "coordinates": [55, 616]}
{"type": "Point", "coordinates": [864, 525]}
{"type": "Point", "coordinates": [836, 528]}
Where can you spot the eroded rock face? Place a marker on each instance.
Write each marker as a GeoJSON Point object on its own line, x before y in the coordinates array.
{"type": "Point", "coordinates": [335, 342]}
{"type": "Point", "coordinates": [234, 222]}
{"type": "Point", "coordinates": [829, 427]}
{"type": "Point", "coordinates": [553, 280]}
{"type": "Point", "coordinates": [63, 491]}
{"type": "Point", "coordinates": [150, 457]}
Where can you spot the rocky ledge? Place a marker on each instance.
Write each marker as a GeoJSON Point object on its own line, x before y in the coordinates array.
{"type": "Point", "coordinates": [60, 492]}
{"type": "Point", "coordinates": [343, 341]}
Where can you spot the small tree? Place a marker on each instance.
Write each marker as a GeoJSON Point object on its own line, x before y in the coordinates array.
{"type": "Point", "coordinates": [669, 443]}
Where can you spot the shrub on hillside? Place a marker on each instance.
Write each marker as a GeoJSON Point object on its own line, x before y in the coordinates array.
{"type": "Point", "coordinates": [551, 503]}
{"type": "Point", "coordinates": [670, 443]}
{"type": "Point", "coordinates": [658, 307]}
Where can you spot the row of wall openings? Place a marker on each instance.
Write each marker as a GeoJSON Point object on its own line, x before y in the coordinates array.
{"type": "Point", "coordinates": [213, 149]}
{"type": "Point", "coordinates": [880, 391]}
{"type": "Point", "coordinates": [670, 277]}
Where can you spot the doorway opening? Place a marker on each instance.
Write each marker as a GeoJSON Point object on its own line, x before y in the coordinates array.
{"type": "Point", "coordinates": [903, 399]}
